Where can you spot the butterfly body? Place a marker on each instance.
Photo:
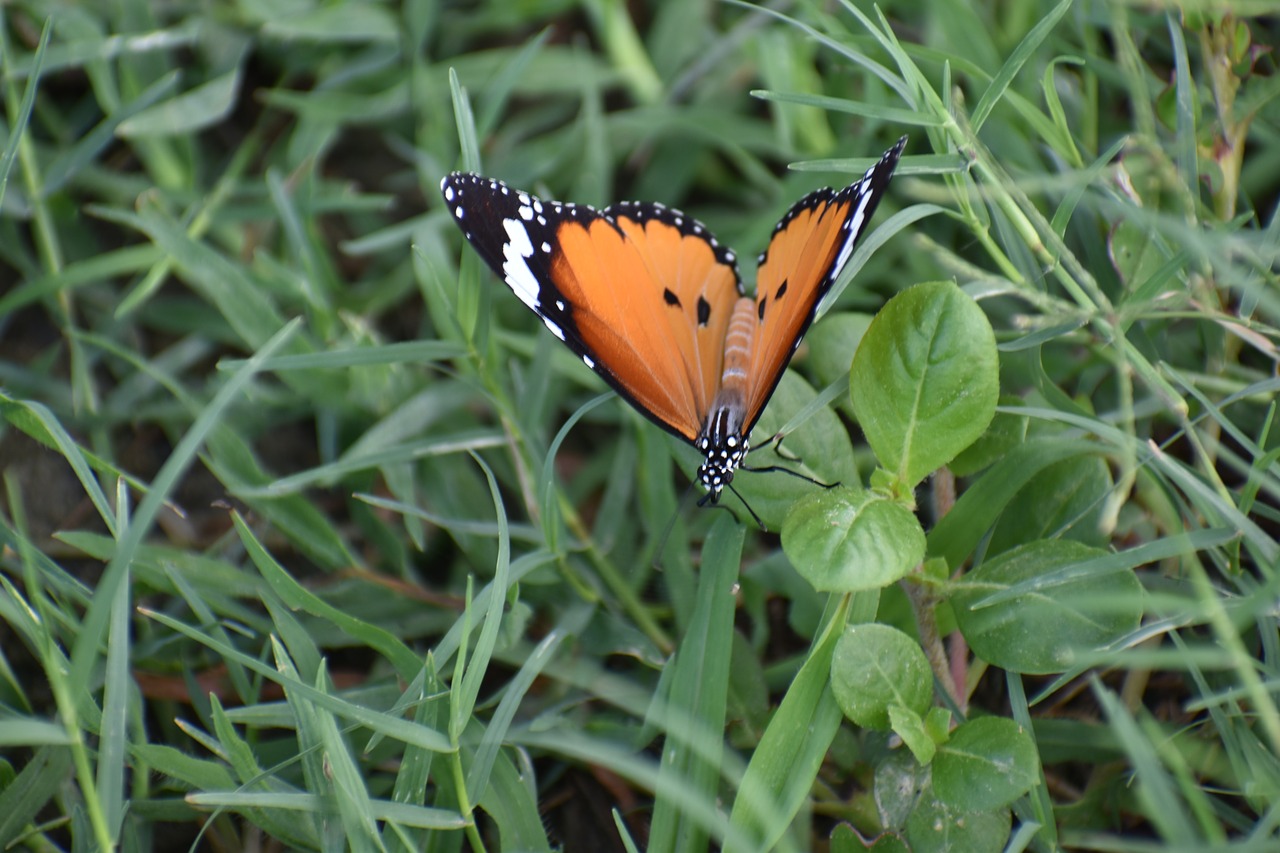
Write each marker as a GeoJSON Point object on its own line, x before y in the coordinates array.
{"type": "Point", "coordinates": [654, 304]}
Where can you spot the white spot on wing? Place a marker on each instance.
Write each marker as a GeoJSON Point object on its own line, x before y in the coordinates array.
{"type": "Point", "coordinates": [855, 228]}
{"type": "Point", "coordinates": [586, 359]}
{"type": "Point", "coordinates": [526, 212]}
{"type": "Point", "coordinates": [515, 268]}
{"type": "Point", "coordinates": [555, 330]}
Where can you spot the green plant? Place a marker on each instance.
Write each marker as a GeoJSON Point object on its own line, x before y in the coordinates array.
{"type": "Point", "coordinates": [312, 538]}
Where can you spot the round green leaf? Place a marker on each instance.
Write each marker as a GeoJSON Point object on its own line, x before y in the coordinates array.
{"type": "Point", "coordinates": [987, 764]}
{"type": "Point", "coordinates": [935, 827]}
{"type": "Point", "coordinates": [876, 666]}
{"type": "Point", "coordinates": [1086, 610]}
{"type": "Point", "coordinates": [1064, 501]}
{"type": "Point", "coordinates": [925, 379]}
{"type": "Point", "coordinates": [845, 540]}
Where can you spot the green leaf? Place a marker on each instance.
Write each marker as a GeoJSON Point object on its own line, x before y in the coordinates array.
{"type": "Point", "coordinates": [833, 343]}
{"type": "Point", "coordinates": [845, 839]}
{"type": "Point", "coordinates": [1064, 501]}
{"type": "Point", "coordinates": [958, 532]}
{"type": "Point", "coordinates": [42, 776]}
{"type": "Point", "coordinates": [1006, 431]}
{"type": "Point", "coordinates": [200, 773]}
{"type": "Point", "coordinates": [910, 726]}
{"type": "Point", "coordinates": [694, 718]}
{"type": "Point", "coordinates": [203, 106]}
{"type": "Point", "coordinates": [298, 597]}
{"type": "Point", "coordinates": [795, 744]}
{"type": "Point", "coordinates": [935, 827]}
{"type": "Point", "coordinates": [335, 22]}
{"type": "Point", "coordinates": [987, 764]}
{"type": "Point", "coordinates": [1135, 252]}
{"type": "Point", "coordinates": [875, 667]}
{"type": "Point", "coordinates": [843, 540]}
{"type": "Point", "coordinates": [898, 782]}
{"type": "Point", "coordinates": [1087, 612]}
{"type": "Point", "coordinates": [925, 379]}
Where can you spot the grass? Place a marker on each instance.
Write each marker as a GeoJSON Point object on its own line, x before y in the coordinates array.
{"type": "Point", "coordinates": [314, 539]}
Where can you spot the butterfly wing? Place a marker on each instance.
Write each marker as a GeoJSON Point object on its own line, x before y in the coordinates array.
{"type": "Point", "coordinates": [640, 292]}
{"type": "Point", "coordinates": [809, 247]}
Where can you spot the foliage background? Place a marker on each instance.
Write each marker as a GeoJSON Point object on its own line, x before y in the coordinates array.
{"type": "Point", "coordinates": [272, 437]}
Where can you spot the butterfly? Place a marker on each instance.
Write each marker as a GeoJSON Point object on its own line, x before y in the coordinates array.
{"type": "Point", "coordinates": [653, 303]}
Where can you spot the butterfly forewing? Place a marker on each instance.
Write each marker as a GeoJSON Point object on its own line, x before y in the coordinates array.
{"type": "Point", "coordinates": [698, 284]}
{"type": "Point", "coordinates": [809, 247]}
{"type": "Point", "coordinates": [639, 291]}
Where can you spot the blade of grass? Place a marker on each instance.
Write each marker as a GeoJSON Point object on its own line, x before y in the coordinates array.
{"type": "Point", "coordinates": [389, 726]}
{"type": "Point", "coordinates": [19, 117]}
{"type": "Point", "coordinates": [1020, 56]}
{"type": "Point", "coordinates": [699, 694]}
{"type": "Point", "coordinates": [85, 651]}
{"type": "Point", "coordinates": [786, 761]}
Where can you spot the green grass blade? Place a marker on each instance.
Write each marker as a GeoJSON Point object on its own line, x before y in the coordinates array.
{"type": "Point", "coordinates": [85, 651]}
{"type": "Point", "coordinates": [694, 714]}
{"type": "Point", "coordinates": [1020, 56]}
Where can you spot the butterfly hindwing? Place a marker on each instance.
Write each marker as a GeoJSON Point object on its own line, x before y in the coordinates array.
{"type": "Point", "coordinates": [808, 249]}
{"type": "Point", "coordinates": [640, 292]}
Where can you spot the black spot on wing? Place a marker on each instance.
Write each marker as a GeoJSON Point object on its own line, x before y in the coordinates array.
{"type": "Point", "coordinates": [782, 290]}
{"type": "Point", "coordinates": [760, 307]}
{"type": "Point", "coordinates": [704, 311]}
{"type": "Point", "coordinates": [670, 298]}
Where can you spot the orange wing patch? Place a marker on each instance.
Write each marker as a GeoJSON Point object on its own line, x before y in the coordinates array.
{"type": "Point", "coordinates": [650, 303]}
{"type": "Point", "coordinates": [796, 272]}
{"type": "Point", "coordinates": [698, 289]}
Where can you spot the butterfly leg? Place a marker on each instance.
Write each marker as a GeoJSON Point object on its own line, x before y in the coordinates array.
{"type": "Point", "coordinates": [780, 469]}
{"type": "Point", "coordinates": [775, 441]}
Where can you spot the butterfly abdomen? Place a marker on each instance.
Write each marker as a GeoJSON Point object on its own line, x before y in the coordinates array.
{"type": "Point", "coordinates": [737, 348]}
{"type": "Point", "coordinates": [723, 437]}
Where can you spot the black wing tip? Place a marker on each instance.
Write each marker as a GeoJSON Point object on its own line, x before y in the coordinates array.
{"type": "Point", "coordinates": [889, 159]}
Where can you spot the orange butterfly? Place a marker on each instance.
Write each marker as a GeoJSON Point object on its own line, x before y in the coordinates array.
{"type": "Point", "coordinates": [650, 301]}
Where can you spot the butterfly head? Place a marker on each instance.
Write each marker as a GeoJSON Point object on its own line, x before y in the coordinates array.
{"type": "Point", "coordinates": [723, 456]}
